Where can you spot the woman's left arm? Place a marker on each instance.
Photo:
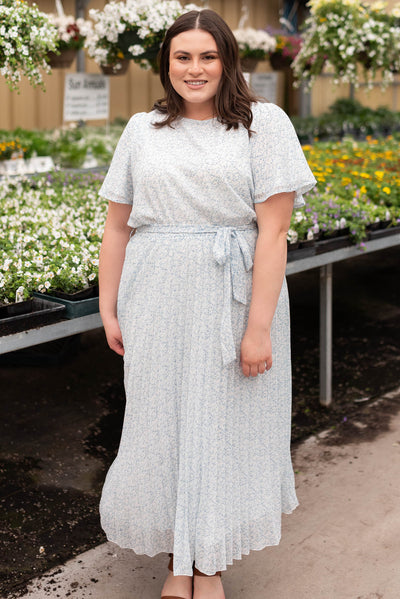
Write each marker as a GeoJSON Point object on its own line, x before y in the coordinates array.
{"type": "Point", "coordinates": [273, 219]}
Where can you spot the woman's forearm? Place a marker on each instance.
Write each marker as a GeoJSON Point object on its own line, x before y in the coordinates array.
{"type": "Point", "coordinates": [268, 274]}
{"type": "Point", "coordinates": [112, 254]}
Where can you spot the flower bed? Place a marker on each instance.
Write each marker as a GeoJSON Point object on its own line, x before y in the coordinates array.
{"type": "Point", "coordinates": [51, 227]}
{"type": "Point", "coordinates": [358, 187]}
{"type": "Point", "coordinates": [50, 234]}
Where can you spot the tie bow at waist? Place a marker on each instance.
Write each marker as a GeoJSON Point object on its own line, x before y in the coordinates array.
{"type": "Point", "coordinates": [232, 252]}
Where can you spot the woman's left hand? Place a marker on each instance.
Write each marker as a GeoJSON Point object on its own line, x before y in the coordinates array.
{"type": "Point", "coordinates": [255, 352]}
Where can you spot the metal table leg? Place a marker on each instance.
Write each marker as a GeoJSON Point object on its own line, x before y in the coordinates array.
{"type": "Point", "coordinates": [325, 331]}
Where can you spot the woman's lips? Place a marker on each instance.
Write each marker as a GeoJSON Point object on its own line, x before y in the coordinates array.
{"type": "Point", "coordinates": [195, 83]}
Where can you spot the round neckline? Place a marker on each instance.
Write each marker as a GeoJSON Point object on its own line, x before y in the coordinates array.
{"type": "Point", "coordinates": [185, 118]}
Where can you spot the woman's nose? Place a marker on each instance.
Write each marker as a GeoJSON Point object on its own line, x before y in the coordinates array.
{"type": "Point", "coordinates": [195, 67]}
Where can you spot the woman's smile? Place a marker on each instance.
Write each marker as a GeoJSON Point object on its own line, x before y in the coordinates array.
{"type": "Point", "coordinates": [196, 83]}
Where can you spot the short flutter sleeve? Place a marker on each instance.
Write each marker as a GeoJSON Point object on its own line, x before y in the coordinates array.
{"type": "Point", "coordinates": [118, 185]}
{"type": "Point", "coordinates": [277, 159]}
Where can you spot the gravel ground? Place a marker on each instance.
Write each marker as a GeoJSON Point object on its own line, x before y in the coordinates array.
{"type": "Point", "coordinates": [62, 408]}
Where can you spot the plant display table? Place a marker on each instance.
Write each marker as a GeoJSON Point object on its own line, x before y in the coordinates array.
{"type": "Point", "coordinates": [323, 261]}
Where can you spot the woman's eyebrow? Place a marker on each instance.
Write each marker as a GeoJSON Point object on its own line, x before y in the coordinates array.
{"type": "Point", "coordinates": [201, 53]}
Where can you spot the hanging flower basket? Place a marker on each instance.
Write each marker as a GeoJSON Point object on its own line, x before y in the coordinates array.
{"type": "Point", "coordinates": [26, 37]}
{"type": "Point", "coordinates": [249, 64]}
{"type": "Point", "coordinates": [118, 68]}
{"type": "Point", "coordinates": [63, 60]}
{"type": "Point", "coordinates": [280, 62]}
{"type": "Point", "coordinates": [130, 40]}
{"type": "Point", "coordinates": [254, 45]}
{"type": "Point", "coordinates": [132, 28]}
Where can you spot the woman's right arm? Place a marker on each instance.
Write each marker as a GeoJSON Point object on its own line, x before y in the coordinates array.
{"type": "Point", "coordinates": [112, 253]}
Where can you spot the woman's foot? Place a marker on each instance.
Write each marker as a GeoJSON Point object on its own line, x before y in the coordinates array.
{"type": "Point", "coordinates": [177, 586]}
{"type": "Point", "coordinates": [207, 587]}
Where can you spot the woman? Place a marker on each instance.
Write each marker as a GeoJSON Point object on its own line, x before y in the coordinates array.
{"type": "Point", "coordinates": [196, 302]}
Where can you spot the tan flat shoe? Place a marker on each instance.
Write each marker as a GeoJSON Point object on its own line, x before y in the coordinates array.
{"type": "Point", "coordinates": [170, 567]}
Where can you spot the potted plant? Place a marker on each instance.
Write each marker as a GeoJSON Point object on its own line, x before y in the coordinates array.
{"type": "Point", "coordinates": [286, 50]}
{"type": "Point", "coordinates": [71, 35]}
{"type": "Point", "coordinates": [331, 39]}
{"type": "Point", "coordinates": [254, 45]}
{"type": "Point", "coordinates": [131, 30]}
{"type": "Point", "coordinates": [381, 38]}
{"type": "Point", "coordinates": [26, 38]}
{"type": "Point", "coordinates": [341, 35]}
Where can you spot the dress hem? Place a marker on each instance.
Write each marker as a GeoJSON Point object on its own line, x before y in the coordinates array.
{"type": "Point", "coordinates": [184, 572]}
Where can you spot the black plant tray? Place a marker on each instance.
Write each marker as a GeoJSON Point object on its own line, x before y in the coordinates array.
{"type": "Point", "coordinates": [74, 308]}
{"type": "Point", "coordinates": [383, 232]}
{"type": "Point", "coordinates": [30, 314]}
{"type": "Point", "coordinates": [301, 252]}
{"type": "Point", "coordinates": [92, 291]}
{"type": "Point", "coordinates": [335, 243]}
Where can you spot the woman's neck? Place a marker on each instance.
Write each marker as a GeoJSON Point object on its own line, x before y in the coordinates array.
{"type": "Point", "coordinates": [199, 112]}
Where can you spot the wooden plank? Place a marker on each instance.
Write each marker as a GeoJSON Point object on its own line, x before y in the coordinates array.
{"type": "Point", "coordinates": [6, 108]}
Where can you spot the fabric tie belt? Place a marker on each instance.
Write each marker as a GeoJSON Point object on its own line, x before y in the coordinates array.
{"type": "Point", "coordinates": [232, 252]}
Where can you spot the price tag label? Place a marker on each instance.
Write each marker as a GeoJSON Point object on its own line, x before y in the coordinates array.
{"type": "Point", "coordinates": [86, 97]}
{"type": "Point", "coordinates": [265, 85]}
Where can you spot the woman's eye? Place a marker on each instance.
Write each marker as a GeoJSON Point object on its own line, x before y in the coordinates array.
{"type": "Point", "coordinates": [210, 57]}
{"type": "Point", "coordinates": [182, 58]}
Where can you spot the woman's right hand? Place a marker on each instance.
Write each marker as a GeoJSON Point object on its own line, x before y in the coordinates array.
{"type": "Point", "coordinates": [114, 336]}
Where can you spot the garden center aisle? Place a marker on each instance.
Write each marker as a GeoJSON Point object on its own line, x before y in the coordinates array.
{"type": "Point", "coordinates": [343, 542]}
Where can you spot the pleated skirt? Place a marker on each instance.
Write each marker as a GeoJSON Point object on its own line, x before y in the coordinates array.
{"type": "Point", "coordinates": [204, 468]}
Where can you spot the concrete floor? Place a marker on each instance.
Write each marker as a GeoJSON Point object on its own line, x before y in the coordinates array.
{"type": "Point", "coordinates": [343, 542]}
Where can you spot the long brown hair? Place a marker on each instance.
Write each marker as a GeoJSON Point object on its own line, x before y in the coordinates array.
{"type": "Point", "coordinates": [233, 98]}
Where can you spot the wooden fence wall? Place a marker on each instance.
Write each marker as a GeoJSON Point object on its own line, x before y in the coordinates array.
{"type": "Point", "coordinates": [137, 90]}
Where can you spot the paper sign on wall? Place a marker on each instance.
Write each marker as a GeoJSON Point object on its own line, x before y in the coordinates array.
{"type": "Point", "coordinates": [265, 85]}
{"type": "Point", "coordinates": [86, 97]}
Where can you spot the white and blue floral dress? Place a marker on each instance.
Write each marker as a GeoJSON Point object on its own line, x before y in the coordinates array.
{"type": "Point", "coordinates": [204, 467]}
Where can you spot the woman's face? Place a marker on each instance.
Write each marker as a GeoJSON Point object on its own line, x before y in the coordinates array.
{"type": "Point", "coordinates": [195, 70]}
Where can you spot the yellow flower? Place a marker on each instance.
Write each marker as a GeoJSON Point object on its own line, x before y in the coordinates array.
{"type": "Point", "coordinates": [363, 189]}
{"type": "Point", "coordinates": [346, 181]}
{"type": "Point", "coordinates": [379, 175]}
{"type": "Point", "coordinates": [386, 190]}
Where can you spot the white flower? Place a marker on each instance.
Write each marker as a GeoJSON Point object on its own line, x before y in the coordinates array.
{"type": "Point", "coordinates": [254, 39]}
{"type": "Point", "coordinates": [298, 216]}
{"type": "Point", "coordinates": [136, 50]}
{"type": "Point", "coordinates": [292, 236]}
{"type": "Point", "coordinates": [19, 294]}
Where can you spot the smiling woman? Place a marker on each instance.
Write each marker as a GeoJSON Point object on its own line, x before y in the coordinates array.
{"type": "Point", "coordinates": [195, 71]}
{"type": "Point", "coordinates": [196, 302]}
